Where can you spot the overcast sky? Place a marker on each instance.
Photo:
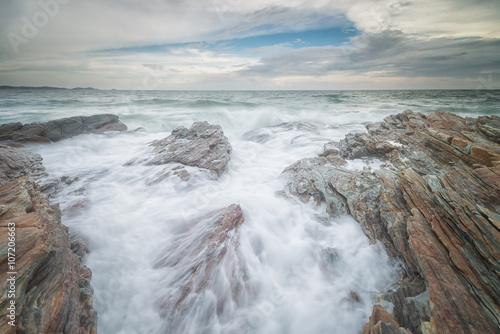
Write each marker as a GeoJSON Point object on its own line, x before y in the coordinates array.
{"type": "Point", "coordinates": [238, 44]}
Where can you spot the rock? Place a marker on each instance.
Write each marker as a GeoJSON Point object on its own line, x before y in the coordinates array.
{"type": "Point", "coordinates": [79, 248]}
{"type": "Point", "coordinates": [5, 129]}
{"type": "Point", "coordinates": [60, 129]}
{"type": "Point", "coordinates": [381, 322]}
{"type": "Point", "coordinates": [490, 125]}
{"type": "Point", "coordinates": [354, 298]}
{"type": "Point", "coordinates": [203, 146]}
{"type": "Point", "coordinates": [330, 148]}
{"type": "Point", "coordinates": [201, 253]}
{"type": "Point", "coordinates": [53, 294]}
{"type": "Point", "coordinates": [436, 208]}
{"type": "Point", "coordinates": [16, 162]}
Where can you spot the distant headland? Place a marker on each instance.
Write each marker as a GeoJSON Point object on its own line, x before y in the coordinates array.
{"type": "Point", "coordinates": [47, 87]}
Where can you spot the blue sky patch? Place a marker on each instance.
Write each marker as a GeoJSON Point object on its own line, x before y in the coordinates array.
{"type": "Point", "coordinates": [323, 37]}
{"type": "Point", "coordinates": [295, 40]}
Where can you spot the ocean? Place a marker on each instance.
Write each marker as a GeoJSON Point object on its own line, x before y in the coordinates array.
{"type": "Point", "coordinates": [128, 223]}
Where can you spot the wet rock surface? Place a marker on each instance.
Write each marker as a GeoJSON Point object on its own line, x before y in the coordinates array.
{"type": "Point", "coordinates": [53, 293]}
{"type": "Point", "coordinates": [16, 162]}
{"type": "Point", "coordinates": [202, 145]}
{"type": "Point", "coordinates": [382, 322]}
{"type": "Point", "coordinates": [45, 132]}
{"type": "Point", "coordinates": [435, 206]}
{"type": "Point", "coordinates": [204, 255]}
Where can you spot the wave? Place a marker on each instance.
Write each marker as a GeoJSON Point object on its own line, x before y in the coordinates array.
{"type": "Point", "coordinates": [63, 102]}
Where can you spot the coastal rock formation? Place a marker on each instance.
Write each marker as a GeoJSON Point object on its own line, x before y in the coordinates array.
{"type": "Point", "coordinates": [52, 288]}
{"type": "Point", "coordinates": [202, 145]}
{"type": "Point", "coordinates": [382, 322]}
{"type": "Point", "coordinates": [204, 256]}
{"type": "Point", "coordinates": [435, 205]}
{"type": "Point", "coordinates": [44, 132]}
{"type": "Point", "coordinates": [16, 162]}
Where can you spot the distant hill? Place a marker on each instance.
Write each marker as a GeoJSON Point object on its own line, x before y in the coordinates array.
{"type": "Point", "coordinates": [46, 88]}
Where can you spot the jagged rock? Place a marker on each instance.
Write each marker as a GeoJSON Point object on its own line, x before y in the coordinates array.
{"type": "Point", "coordinates": [16, 162]}
{"type": "Point", "coordinates": [381, 322]}
{"type": "Point", "coordinates": [53, 294]}
{"type": "Point", "coordinates": [330, 148]}
{"type": "Point", "coordinates": [437, 208]}
{"type": "Point", "coordinates": [203, 146]}
{"type": "Point", "coordinates": [203, 251]}
{"type": "Point", "coordinates": [79, 248]}
{"type": "Point", "coordinates": [60, 129]}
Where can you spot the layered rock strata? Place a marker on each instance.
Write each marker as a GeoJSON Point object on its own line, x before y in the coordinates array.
{"type": "Point", "coordinates": [202, 145]}
{"type": "Point", "coordinates": [16, 162]}
{"type": "Point", "coordinates": [204, 255]}
{"type": "Point", "coordinates": [43, 132]}
{"type": "Point", "coordinates": [435, 205]}
{"type": "Point", "coordinates": [52, 288]}
{"type": "Point", "coordinates": [47, 284]}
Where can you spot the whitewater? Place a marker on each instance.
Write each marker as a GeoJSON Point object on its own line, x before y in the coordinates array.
{"type": "Point", "coordinates": [302, 266]}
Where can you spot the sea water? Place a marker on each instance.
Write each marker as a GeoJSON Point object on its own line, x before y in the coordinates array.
{"type": "Point", "coordinates": [129, 223]}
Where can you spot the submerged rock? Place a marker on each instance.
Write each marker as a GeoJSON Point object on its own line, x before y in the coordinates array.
{"type": "Point", "coordinates": [436, 207]}
{"type": "Point", "coordinates": [202, 145]}
{"type": "Point", "coordinates": [53, 293]}
{"type": "Point", "coordinates": [205, 261]}
{"type": "Point", "coordinates": [44, 132]}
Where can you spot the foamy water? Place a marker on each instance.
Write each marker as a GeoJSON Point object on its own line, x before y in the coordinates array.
{"type": "Point", "coordinates": [300, 266]}
{"type": "Point", "coordinates": [283, 244]}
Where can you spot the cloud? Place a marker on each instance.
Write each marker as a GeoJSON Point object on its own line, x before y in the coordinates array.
{"type": "Point", "coordinates": [426, 19]}
{"type": "Point", "coordinates": [106, 43]}
{"type": "Point", "coordinates": [388, 54]}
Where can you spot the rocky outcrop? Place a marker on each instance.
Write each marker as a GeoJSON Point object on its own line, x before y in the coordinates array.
{"type": "Point", "coordinates": [435, 205]}
{"type": "Point", "coordinates": [44, 132]}
{"type": "Point", "coordinates": [202, 145]}
{"type": "Point", "coordinates": [204, 255]}
{"type": "Point", "coordinates": [16, 162]}
{"type": "Point", "coordinates": [382, 322]}
{"type": "Point", "coordinates": [52, 288]}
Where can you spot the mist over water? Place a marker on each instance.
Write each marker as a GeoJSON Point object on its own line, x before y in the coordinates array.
{"type": "Point", "coordinates": [298, 266]}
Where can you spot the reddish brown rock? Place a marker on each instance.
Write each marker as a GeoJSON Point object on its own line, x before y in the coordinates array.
{"type": "Point", "coordinates": [381, 322]}
{"type": "Point", "coordinates": [52, 293]}
{"type": "Point", "coordinates": [206, 249]}
{"type": "Point", "coordinates": [437, 208]}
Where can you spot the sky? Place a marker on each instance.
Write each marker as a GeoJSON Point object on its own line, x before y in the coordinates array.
{"type": "Point", "coordinates": [259, 44]}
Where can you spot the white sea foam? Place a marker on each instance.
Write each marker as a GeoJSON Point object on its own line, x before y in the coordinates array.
{"type": "Point", "coordinates": [301, 265]}
{"type": "Point", "coordinates": [298, 286]}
